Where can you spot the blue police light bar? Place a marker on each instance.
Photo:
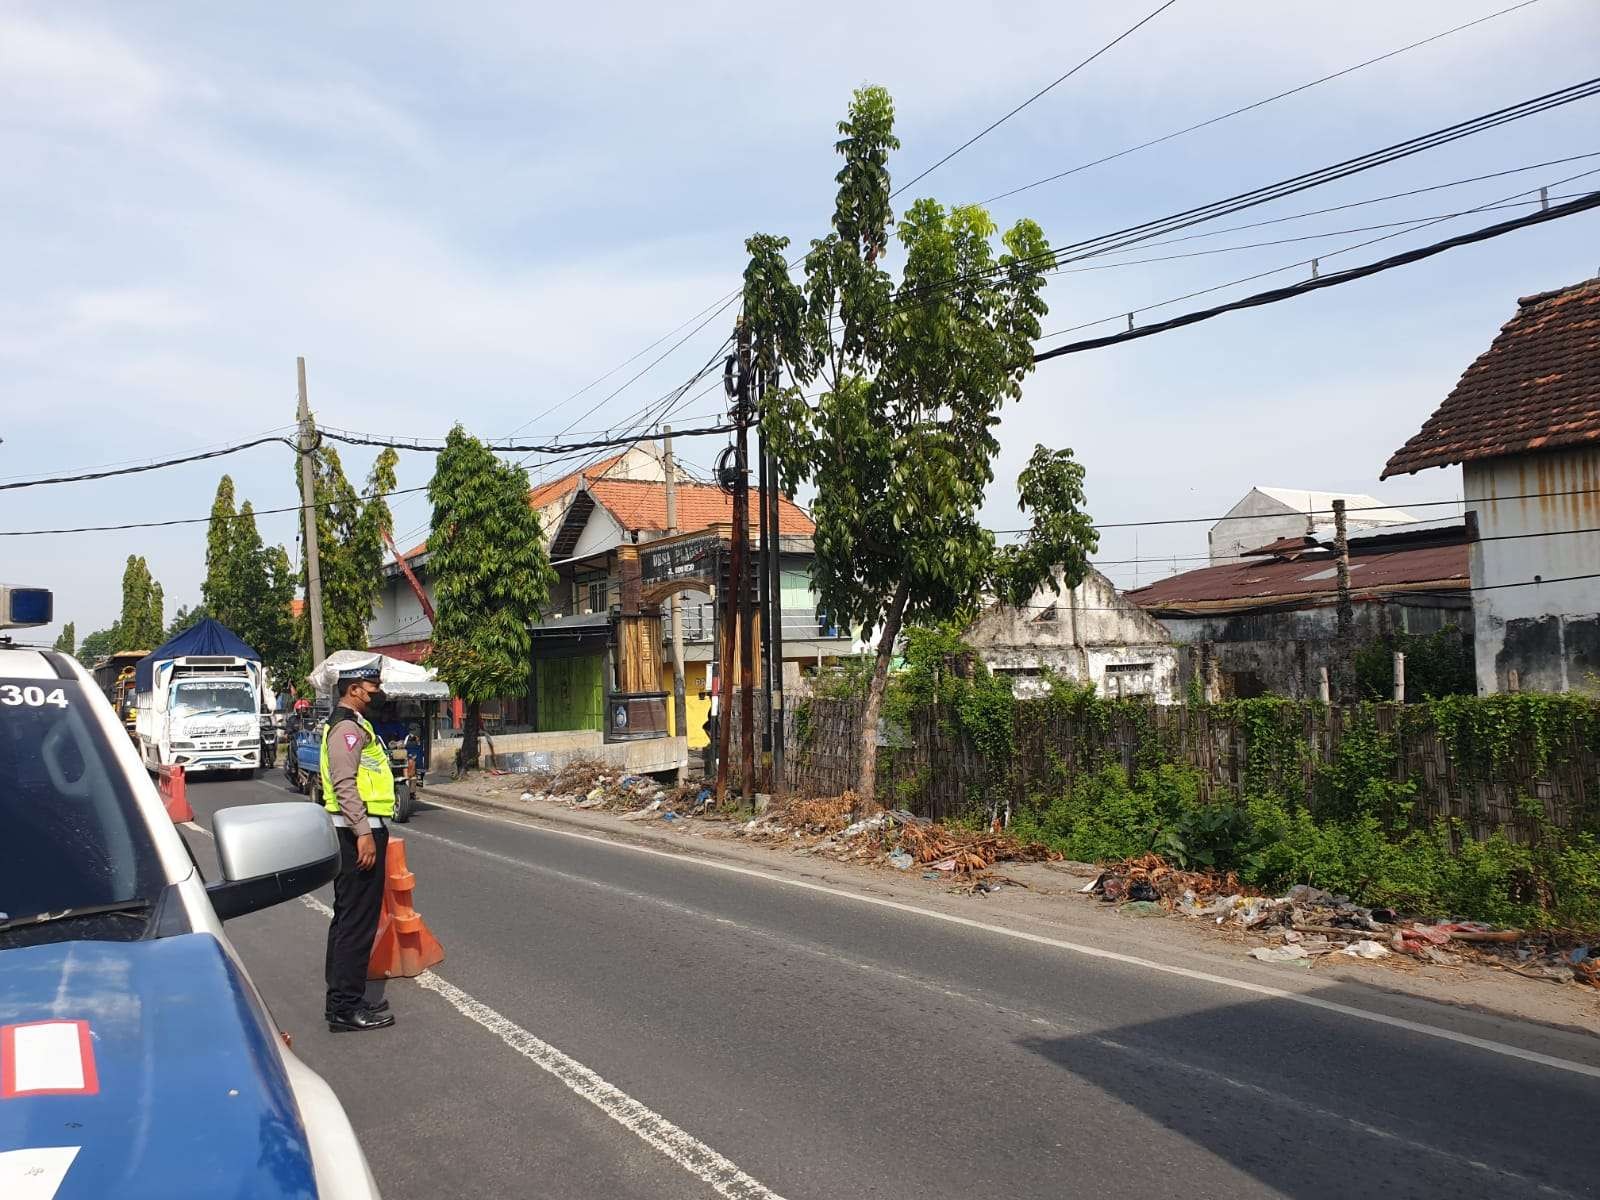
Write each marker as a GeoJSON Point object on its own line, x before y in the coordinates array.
{"type": "Point", "coordinates": [21, 607]}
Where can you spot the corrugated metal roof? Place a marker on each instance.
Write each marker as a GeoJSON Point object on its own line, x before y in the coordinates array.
{"type": "Point", "coordinates": [1311, 578]}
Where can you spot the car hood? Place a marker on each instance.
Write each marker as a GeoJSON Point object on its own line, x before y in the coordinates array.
{"type": "Point", "coordinates": [142, 1070]}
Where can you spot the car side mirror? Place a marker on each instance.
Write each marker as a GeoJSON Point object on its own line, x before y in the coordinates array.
{"type": "Point", "coordinates": [271, 853]}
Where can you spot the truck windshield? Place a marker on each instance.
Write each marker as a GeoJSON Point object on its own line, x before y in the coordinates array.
{"type": "Point", "coordinates": [191, 698]}
{"type": "Point", "coordinates": [70, 835]}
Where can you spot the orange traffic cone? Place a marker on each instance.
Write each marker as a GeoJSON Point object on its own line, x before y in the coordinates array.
{"type": "Point", "coordinates": [403, 948]}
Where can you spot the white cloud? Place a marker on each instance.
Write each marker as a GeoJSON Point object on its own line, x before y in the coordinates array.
{"type": "Point", "coordinates": [134, 308]}
{"type": "Point", "coordinates": [51, 74]}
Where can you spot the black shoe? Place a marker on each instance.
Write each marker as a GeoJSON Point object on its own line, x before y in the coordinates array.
{"type": "Point", "coordinates": [360, 1021]}
{"type": "Point", "coordinates": [377, 1006]}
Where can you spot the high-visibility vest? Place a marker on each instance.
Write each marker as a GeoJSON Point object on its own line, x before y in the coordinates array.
{"type": "Point", "coordinates": [374, 779]}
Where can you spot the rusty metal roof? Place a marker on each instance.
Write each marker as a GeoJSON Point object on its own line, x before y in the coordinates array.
{"type": "Point", "coordinates": [1536, 387]}
{"type": "Point", "coordinates": [1310, 579]}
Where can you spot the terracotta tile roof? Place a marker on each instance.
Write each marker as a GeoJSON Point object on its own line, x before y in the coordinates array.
{"type": "Point", "coordinates": [1536, 387]}
{"type": "Point", "coordinates": [642, 504]}
{"type": "Point", "coordinates": [548, 493]}
{"type": "Point", "coordinates": [1310, 578]}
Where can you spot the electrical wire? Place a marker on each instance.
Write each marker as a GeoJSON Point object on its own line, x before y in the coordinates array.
{"type": "Point", "coordinates": [1175, 222]}
{"type": "Point", "coordinates": [351, 438]}
{"type": "Point", "coordinates": [151, 466]}
{"type": "Point", "coordinates": [1177, 133]}
{"type": "Point", "coordinates": [1349, 275]}
{"type": "Point", "coordinates": [993, 125]}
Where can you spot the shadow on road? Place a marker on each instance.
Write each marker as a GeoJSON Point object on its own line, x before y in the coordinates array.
{"type": "Point", "coordinates": [1320, 1107]}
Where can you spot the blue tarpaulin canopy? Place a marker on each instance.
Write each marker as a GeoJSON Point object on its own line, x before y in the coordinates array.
{"type": "Point", "coordinates": [207, 637]}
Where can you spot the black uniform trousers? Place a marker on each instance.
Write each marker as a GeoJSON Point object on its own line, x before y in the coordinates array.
{"type": "Point", "coordinates": [357, 901]}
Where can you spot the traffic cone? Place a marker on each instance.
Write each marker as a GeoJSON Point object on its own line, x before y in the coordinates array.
{"type": "Point", "coordinates": [403, 948]}
{"type": "Point", "coordinates": [174, 793]}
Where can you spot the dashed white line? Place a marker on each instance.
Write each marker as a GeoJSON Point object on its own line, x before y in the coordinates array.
{"type": "Point", "coordinates": [678, 1145]}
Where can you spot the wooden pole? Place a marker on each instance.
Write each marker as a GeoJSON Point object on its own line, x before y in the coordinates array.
{"type": "Point", "coordinates": [308, 512]}
{"type": "Point", "coordinates": [1346, 616]}
{"type": "Point", "coordinates": [741, 562]}
{"type": "Point", "coordinates": [680, 701]}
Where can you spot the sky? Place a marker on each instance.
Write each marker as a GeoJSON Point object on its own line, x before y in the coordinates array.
{"type": "Point", "coordinates": [474, 212]}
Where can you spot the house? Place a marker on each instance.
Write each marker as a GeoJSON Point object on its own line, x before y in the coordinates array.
{"type": "Point", "coordinates": [596, 522]}
{"type": "Point", "coordinates": [1266, 514]}
{"type": "Point", "coordinates": [1524, 424]}
{"type": "Point", "coordinates": [1089, 634]}
{"type": "Point", "coordinates": [1268, 621]}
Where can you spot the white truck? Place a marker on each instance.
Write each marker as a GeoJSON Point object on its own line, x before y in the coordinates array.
{"type": "Point", "coordinates": [200, 703]}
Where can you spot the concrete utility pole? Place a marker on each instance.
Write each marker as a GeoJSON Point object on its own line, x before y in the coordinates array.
{"type": "Point", "coordinates": [1345, 640]}
{"type": "Point", "coordinates": [308, 513]}
{"type": "Point", "coordinates": [1399, 677]}
{"type": "Point", "coordinates": [742, 568]}
{"type": "Point", "coordinates": [680, 702]}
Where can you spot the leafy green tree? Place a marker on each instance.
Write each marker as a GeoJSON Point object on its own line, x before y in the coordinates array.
{"type": "Point", "coordinates": [351, 527]}
{"type": "Point", "coordinates": [217, 593]}
{"type": "Point", "coordinates": [141, 626]}
{"type": "Point", "coordinates": [900, 443]}
{"type": "Point", "coordinates": [67, 643]}
{"type": "Point", "coordinates": [186, 618]}
{"type": "Point", "coordinates": [97, 645]}
{"type": "Point", "coordinates": [491, 577]}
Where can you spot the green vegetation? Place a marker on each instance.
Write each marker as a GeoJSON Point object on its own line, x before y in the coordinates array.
{"type": "Point", "coordinates": [1437, 664]}
{"type": "Point", "coordinates": [1349, 822]}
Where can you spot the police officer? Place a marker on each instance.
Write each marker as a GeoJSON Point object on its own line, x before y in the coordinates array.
{"type": "Point", "coordinates": [358, 789]}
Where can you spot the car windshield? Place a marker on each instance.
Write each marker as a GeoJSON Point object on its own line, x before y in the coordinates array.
{"type": "Point", "coordinates": [70, 835]}
{"type": "Point", "coordinates": [213, 697]}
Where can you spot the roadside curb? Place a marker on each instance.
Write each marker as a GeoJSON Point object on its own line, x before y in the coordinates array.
{"type": "Point", "coordinates": [614, 828]}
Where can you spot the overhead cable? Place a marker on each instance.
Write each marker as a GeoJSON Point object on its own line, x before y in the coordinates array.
{"type": "Point", "coordinates": [1348, 275]}
{"type": "Point", "coordinates": [1177, 133]}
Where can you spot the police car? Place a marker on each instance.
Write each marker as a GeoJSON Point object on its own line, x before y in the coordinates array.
{"type": "Point", "coordinates": [136, 1057]}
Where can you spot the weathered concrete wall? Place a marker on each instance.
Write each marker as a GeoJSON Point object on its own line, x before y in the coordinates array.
{"type": "Point", "coordinates": [1090, 634]}
{"type": "Point", "coordinates": [1283, 652]}
{"type": "Point", "coordinates": [1547, 632]}
{"type": "Point", "coordinates": [398, 616]}
{"type": "Point", "coordinates": [552, 751]}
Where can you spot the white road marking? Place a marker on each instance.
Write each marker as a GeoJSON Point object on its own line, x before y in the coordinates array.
{"type": "Point", "coordinates": [682, 1147]}
{"type": "Point", "coordinates": [35, 1173]}
{"type": "Point", "coordinates": [1153, 1059]}
{"type": "Point", "coordinates": [1258, 989]}
{"type": "Point", "coordinates": [197, 828]}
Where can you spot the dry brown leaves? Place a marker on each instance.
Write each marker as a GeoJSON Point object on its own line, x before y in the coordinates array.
{"type": "Point", "coordinates": [825, 814]}
{"type": "Point", "coordinates": [970, 852]}
{"type": "Point", "coordinates": [1172, 882]}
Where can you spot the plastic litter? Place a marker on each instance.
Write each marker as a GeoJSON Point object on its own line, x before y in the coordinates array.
{"type": "Point", "coordinates": [1142, 908]}
{"type": "Point", "coordinates": [598, 794]}
{"type": "Point", "coordinates": [900, 860]}
{"type": "Point", "coordinates": [669, 816]}
{"type": "Point", "coordinates": [1366, 948]}
{"type": "Point", "coordinates": [1291, 952]}
{"type": "Point", "coordinates": [1113, 888]}
{"type": "Point", "coordinates": [1142, 891]}
{"type": "Point", "coordinates": [640, 814]}
{"type": "Point", "coordinates": [526, 797]}
{"type": "Point", "coordinates": [944, 864]}
{"type": "Point", "coordinates": [863, 826]}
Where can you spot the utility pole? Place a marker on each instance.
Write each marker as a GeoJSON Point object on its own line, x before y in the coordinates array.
{"type": "Point", "coordinates": [764, 555]}
{"type": "Point", "coordinates": [741, 563]}
{"type": "Point", "coordinates": [308, 512]}
{"type": "Point", "coordinates": [727, 619]}
{"type": "Point", "coordinates": [1346, 627]}
{"type": "Point", "coordinates": [680, 703]}
{"type": "Point", "coordinates": [775, 610]}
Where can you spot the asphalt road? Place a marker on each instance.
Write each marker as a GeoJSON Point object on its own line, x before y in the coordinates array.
{"type": "Point", "coordinates": [784, 1042]}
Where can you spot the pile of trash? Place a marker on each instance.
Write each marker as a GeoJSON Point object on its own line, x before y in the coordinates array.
{"type": "Point", "coordinates": [901, 839]}
{"type": "Point", "coordinates": [1307, 923]}
{"type": "Point", "coordinates": [593, 785]}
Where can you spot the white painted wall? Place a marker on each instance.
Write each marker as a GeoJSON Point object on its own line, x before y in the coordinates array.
{"type": "Point", "coordinates": [398, 616]}
{"type": "Point", "coordinates": [1095, 632]}
{"type": "Point", "coordinates": [1266, 514]}
{"type": "Point", "coordinates": [1548, 632]}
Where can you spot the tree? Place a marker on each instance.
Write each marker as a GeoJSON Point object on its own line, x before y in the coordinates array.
{"type": "Point", "coordinates": [491, 577]}
{"type": "Point", "coordinates": [97, 645]}
{"type": "Point", "coordinates": [350, 530]}
{"type": "Point", "coordinates": [217, 592]}
{"type": "Point", "coordinates": [900, 444]}
{"type": "Point", "coordinates": [186, 618]}
{"type": "Point", "coordinates": [141, 626]}
{"type": "Point", "coordinates": [67, 643]}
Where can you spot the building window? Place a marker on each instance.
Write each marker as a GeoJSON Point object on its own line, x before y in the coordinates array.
{"type": "Point", "coordinates": [1130, 679]}
{"type": "Point", "coordinates": [598, 601]}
